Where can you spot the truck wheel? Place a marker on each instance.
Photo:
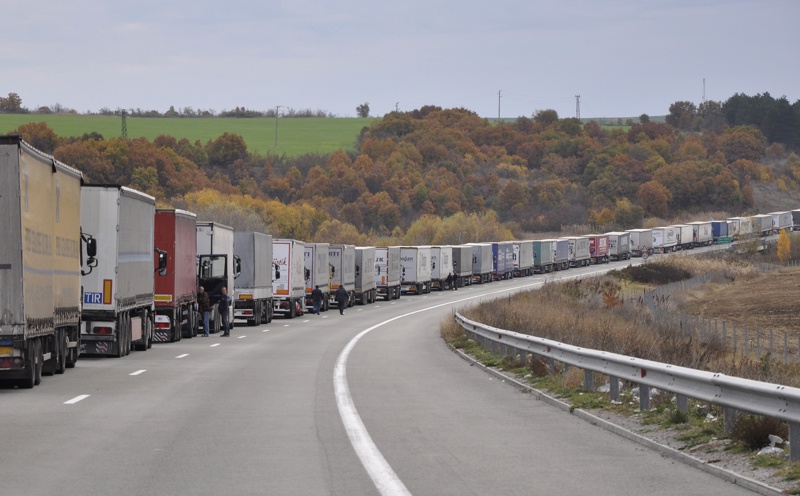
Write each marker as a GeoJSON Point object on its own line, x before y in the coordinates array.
{"type": "Point", "coordinates": [292, 309]}
{"type": "Point", "coordinates": [61, 361]}
{"type": "Point", "coordinates": [177, 326]}
{"type": "Point", "coordinates": [39, 362]}
{"type": "Point", "coordinates": [30, 372]}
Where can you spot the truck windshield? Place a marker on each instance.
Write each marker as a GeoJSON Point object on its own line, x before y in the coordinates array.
{"type": "Point", "coordinates": [212, 266]}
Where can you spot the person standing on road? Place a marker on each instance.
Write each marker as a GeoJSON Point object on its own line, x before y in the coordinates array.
{"type": "Point", "coordinates": [316, 299]}
{"type": "Point", "coordinates": [341, 299]}
{"type": "Point", "coordinates": [454, 284]}
{"type": "Point", "coordinates": [204, 307]}
{"type": "Point", "coordinates": [449, 282]}
{"type": "Point", "coordinates": [224, 307]}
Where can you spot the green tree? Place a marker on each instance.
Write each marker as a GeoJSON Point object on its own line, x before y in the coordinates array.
{"type": "Point", "coordinates": [12, 104]}
{"type": "Point", "coordinates": [363, 110]}
{"type": "Point", "coordinates": [682, 115]}
{"type": "Point", "coordinates": [226, 150]}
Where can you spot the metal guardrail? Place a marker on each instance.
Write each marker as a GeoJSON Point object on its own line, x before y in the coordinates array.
{"type": "Point", "coordinates": [732, 393]}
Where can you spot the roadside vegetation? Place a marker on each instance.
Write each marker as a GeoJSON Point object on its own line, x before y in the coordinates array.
{"type": "Point", "coordinates": [608, 313]}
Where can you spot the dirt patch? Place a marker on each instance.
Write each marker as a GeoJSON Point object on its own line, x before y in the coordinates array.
{"type": "Point", "coordinates": [769, 301]}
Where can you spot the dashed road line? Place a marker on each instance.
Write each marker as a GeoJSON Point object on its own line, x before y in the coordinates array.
{"type": "Point", "coordinates": [182, 356]}
{"type": "Point", "coordinates": [138, 372]}
{"type": "Point", "coordinates": [76, 399]}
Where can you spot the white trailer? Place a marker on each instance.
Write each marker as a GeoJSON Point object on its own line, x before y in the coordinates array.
{"type": "Point", "coordinates": [579, 253]}
{"type": "Point", "coordinates": [702, 233]}
{"type": "Point", "coordinates": [217, 268]}
{"type": "Point", "coordinates": [366, 289]}
{"type": "Point", "coordinates": [640, 239]}
{"type": "Point", "coordinates": [665, 239]}
{"type": "Point", "coordinates": [619, 245]}
{"type": "Point", "coordinates": [441, 267]}
{"type": "Point", "coordinates": [342, 260]}
{"type": "Point", "coordinates": [118, 296]}
{"type": "Point", "coordinates": [523, 258]}
{"type": "Point", "coordinates": [388, 272]}
{"type": "Point", "coordinates": [462, 265]}
{"type": "Point", "coordinates": [40, 258]}
{"type": "Point", "coordinates": [481, 262]}
{"type": "Point", "coordinates": [762, 224]}
{"type": "Point", "coordinates": [781, 221]}
{"type": "Point", "coordinates": [253, 288]}
{"type": "Point", "coordinates": [318, 270]}
{"type": "Point", "coordinates": [684, 235]}
{"type": "Point", "coordinates": [288, 288]}
{"type": "Point", "coordinates": [741, 227]}
{"type": "Point", "coordinates": [415, 264]}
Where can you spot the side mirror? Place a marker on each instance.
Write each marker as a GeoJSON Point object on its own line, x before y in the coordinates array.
{"type": "Point", "coordinates": [91, 247]}
{"type": "Point", "coordinates": [237, 266]}
{"type": "Point", "coordinates": [358, 270]}
{"type": "Point", "coordinates": [277, 272]}
{"type": "Point", "coordinates": [162, 262]}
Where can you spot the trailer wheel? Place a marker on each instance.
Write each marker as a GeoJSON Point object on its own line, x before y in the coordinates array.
{"type": "Point", "coordinates": [30, 372]}
{"type": "Point", "coordinates": [61, 347]}
{"type": "Point", "coordinates": [292, 310]}
{"type": "Point", "coordinates": [177, 326]}
{"type": "Point", "coordinates": [39, 362]}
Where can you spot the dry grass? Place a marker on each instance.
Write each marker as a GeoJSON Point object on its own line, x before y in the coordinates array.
{"type": "Point", "coordinates": [583, 313]}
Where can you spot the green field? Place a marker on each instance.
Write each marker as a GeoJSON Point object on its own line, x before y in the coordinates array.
{"type": "Point", "coordinates": [295, 136]}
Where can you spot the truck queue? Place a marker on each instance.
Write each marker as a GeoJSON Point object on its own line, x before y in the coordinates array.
{"type": "Point", "coordinates": [98, 270]}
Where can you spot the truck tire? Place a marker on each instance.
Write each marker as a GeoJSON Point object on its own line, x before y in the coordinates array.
{"type": "Point", "coordinates": [177, 326]}
{"type": "Point", "coordinates": [30, 372]}
{"type": "Point", "coordinates": [61, 345]}
{"type": "Point", "coordinates": [292, 309]}
{"type": "Point", "coordinates": [39, 362]}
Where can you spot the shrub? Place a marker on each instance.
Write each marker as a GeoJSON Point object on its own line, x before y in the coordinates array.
{"type": "Point", "coordinates": [753, 431]}
{"type": "Point", "coordinates": [654, 273]}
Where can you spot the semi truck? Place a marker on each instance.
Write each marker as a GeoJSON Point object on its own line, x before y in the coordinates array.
{"type": "Point", "coordinates": [388, 272]}
{"type": "Point", "coordinates": [781, 221]}
{"type": "Point", "coordinates": [619, 245]}
{"type": "Point", "coordinates": [598, 248]}
{"type": "Point", "coordinates": [701, 233]}
{"type": "Point", "coordinates": [684, 235]}
{"type": "Point", "coordinates": [119, 294]}
{"type": "Point", "coordinates": [740, 227]}
{"type": "Point", "coordinates": [252, 295]}
{"type": "Point", "coordinates": [502, 260]}
{"type": "Point", "coordinates": [415, 266]}
{"type": "Point", "coordinates": [441, 267]}
{"type": "Point", "coordinates": [481, 262]}
{"type": "Point", "coordinates": [342, 260]}
{"type": "Point", "coordinates": [176, 292]}
{"type": "Point", "coordinates": [641, 239]}
{"type": "Point", "coordinates": [762, 224]}
{"type": "Point", "coordinates": [720, 230]}
{"type": "Point", "coordinates": [579, 255]}
{"type": "Point", "coordinates": [462, 265]}
{"type": "Point", "coordinates": [796, 220]}
{"type": "Point", "coordinates": [288, 288]}
{"type": "Point", "coordinates": [561, 261]}
{"type": "Point", "coordinates": [543, 256]}
{"type": "Point", "coordinates": [318, 272]}
{"type": "Point", "coordinates": [217, 268]}
{"type": "Point", "coordinates": [41, 262]}
{"type": "Point", "coordinates": [366, 289]}
{"type": "Point", "coordinates": [523, 258]}
{"type": "Point", "coordinates": [665, 239]}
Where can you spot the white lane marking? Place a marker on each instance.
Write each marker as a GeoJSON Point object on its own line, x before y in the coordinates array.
{"type": "Point", "coordinates": [138, 372]}
{"type": "Point", "coordinates": [285, 325]}
{"type": "Point", "coordinates": [265, 330]}
{"type": "Point", "coordinates": [76, 399]}
{"type": "Point", "coordinates": [241, 337]}
{"type": "Point", "coordinates": [324, 316]}
{"type": "Point", "coordinates": [306, 321]}
{"type": "Point", "coordinates": [215, 344]}
{"type": "Point", "coordinates": [385, 479]}
{"type": "Point", "coordinates": [182, 356]}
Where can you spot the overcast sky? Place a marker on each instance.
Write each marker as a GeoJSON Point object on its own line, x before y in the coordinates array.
{"type": "Point", "coordinates": [623, 57]}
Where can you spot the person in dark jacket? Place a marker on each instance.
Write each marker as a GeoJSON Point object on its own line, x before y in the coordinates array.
{"type": "Point", "coordinates": [316, 299]}
{"type": "Point", "coordinates": [224, 307]}
{"type": "Point", "coordinates": [341, 299]}
{"type": "Point", "coordinates": [204, 307]}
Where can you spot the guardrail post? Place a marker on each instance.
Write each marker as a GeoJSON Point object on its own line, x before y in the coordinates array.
{"type": "Point", "coordinates": [523, 356]}
{"type": "Point", "coordinates": [613, 388]}
{"type": "Point", "coordinates": [588, 380]}
{"type": "Point", "coordinates": [729, 419]}
{"type": "Point", "coordinates": [794, 441]}
{"type": "Point", "coordinates": [644, 397]}
{"type": "Point", "coordinates": [683, 402]}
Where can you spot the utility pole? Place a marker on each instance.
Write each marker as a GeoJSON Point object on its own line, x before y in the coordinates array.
{"type": "Point", "coordinates": [277, 109]}
{"type": "Point", "coordinates": [704, 90]}
{"type": "Point", "coordinates": [397, 106]}
{"type": "Point", "coordinates": [124, 114]}
{"type": "Point", "coordinates": [578, 107]}
{"type": "Point", "coordinates": [498, 103]}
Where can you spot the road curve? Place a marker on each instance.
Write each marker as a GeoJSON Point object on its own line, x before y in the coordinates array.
{"type": "Point", "coordinates": [261, 413]}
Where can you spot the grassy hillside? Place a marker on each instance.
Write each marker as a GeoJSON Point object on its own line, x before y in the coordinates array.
{"type": "Point", "coordinates": [295, 135]}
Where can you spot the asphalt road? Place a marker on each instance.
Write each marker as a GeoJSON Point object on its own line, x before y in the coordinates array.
{"type": "Point", "coordinates": [371, 402]}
